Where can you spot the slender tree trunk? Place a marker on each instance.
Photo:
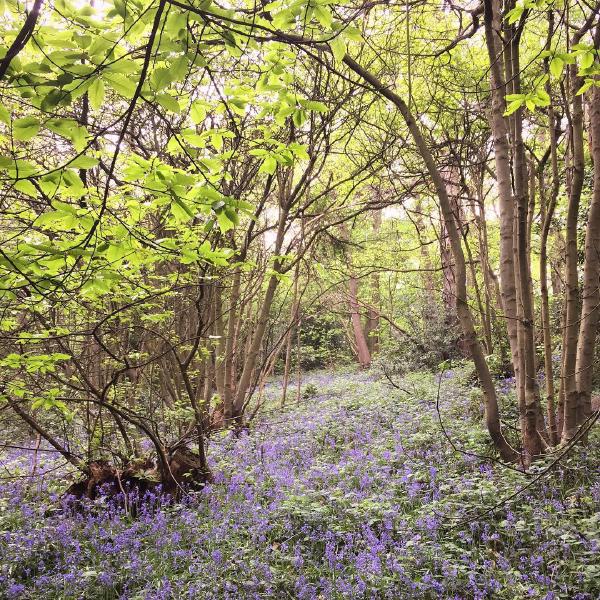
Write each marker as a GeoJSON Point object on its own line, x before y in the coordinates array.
{"type": "Point", "coordinates": [372, 324]}
{"type": "Point", "coordinates": [571, 328]}
{"type": "Point", "coordinates": [290, 334]}
{"type": "Point", "coordinates": [449, 283]}
{"type": "Point", "coordinates": [219, 330]}
{"type": "Point", "coordinates": [547, 213]}
{"type": "Point", "coordinates": [362, 348]}
{"type": "Point", "coordinates": [230, 343]}
{"type": "Point", "coordinates": [590, 311]}
{"type": "Point", "coordinates": [504, 181]}
{"type": "Point", "coordinates": [251, 356]}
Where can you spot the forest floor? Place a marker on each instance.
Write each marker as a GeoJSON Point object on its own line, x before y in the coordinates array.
{"type": "Point", "coordinates": [354, 492]}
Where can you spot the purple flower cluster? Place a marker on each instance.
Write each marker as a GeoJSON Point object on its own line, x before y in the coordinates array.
{"type": "Point", "coordinates": [355, 494]}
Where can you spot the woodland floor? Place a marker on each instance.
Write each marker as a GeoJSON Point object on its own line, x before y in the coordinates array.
{"type": "Point", "coordinates": [352, 493]}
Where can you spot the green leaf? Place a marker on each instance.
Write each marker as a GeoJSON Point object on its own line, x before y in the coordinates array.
{"type": "Point", "coordinates": [299, 117]}
{"type": "Point", "coordinates": [198, 112]}
{"type": "Point", "coordinates": [180, 210]}
{"type": "Point", "coordinates": [96, 94]}
{"type": "Point", "coordinates": [585, 87]}
{"type": "Point", "coordinates": [353, 33]}
{"type": "Point", "coordinates": [169, 103]}
{"type": "Point", "coordinates": [514, 106]}
{"type": "Point", "coordinates": [217, 141]}
{"type": "Point", "coordinates": [314, 105]}
{"type": "Point", "coordinates": [121, 84]}
{"type": "Point", "coordinates": [225, 223]}
{"type": "Point", "coordinates": [514, 15]}
{"type": "Point", "coordinates": [26, 128]}
{"type": "Point", "coordinates": [116, 252]}
{"type": "Point", "coordinates": [268, 166]}
{"type": "Point", "coordinates": [83, 162]}
{"type": "Point", "coordinates": [161, 78]}
{"type": "Point", "coordinates": [587, 60]}
{"type": "Point", "coordinates": [338, 47]}
{"type": "Point", "coordinates": [543, 99]}
{"type": "Point", "coordinates": [556, 66]}
{"type": "Point", "coordinates": [69, 129]}
{"type": "Point", "coordinates": [299, 150]}
{"type": "Point", "coordinates": [4, 115]}
{"type": "Point", "coordinates": [25, 186]}
{"type": "Point", "coordinates": [324, 16]}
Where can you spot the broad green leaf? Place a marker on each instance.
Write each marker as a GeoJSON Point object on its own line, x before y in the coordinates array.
{"type": "Point", "coordinates": [588, 83]}
{"type": "Point", "coordinates": [180, 210]}
{"type": "Point", "coordinates": [225, 223]}
{"type": "Point", "coordinates": [299, 117]}
{"type": "Point", "coordinates": [26, 128]}
{"type": "Point", "coordinates": [556, 66]}
{"type": "Point", "coordinates": [4, 115]}
{"type": "Point", "coordinates": [587, 60]}
{"type": "Point", "coordinates": [161, 78]}
{"type": "Point", "coordinates": [25, 186]}
{"type": "Point", "coordinates": [198, 112]}
{"type": "Point", "coordinates": [96, 94]}
{"type": "Point", "coordinates": [169, 103]}
{"type": "Point", "coordinates": [269, 165]}
{"type": "Point", "coordinates": [83, 162]}
{"type": "Point", "coordinates": [323, 15]}
{"type": "Point", "coordinates": [542, 99]}
{"type": "Point", "coordinates": [338, 47]}
{"type": "Point", "coordinates": [121, 84]}
{"type": "Point", "coordinates": [514, 106]}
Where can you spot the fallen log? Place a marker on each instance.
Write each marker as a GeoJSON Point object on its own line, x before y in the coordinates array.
{"type": "Point", "coordinates": [132, 483]}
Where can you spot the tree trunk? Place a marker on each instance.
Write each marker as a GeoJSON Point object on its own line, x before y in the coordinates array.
{"type": "Point", "coordinates": [571, 328]}
{"type": "Point", "coordinates": [251, 356]}
{"type": "Point", "coordinates": [362, 348]}
{"type": "Point", "coordinates": [499, 127]}
{"type": "Point", "coordinates": [590, 311]}
{"type": "Point", "coordinates": [547, 212]}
